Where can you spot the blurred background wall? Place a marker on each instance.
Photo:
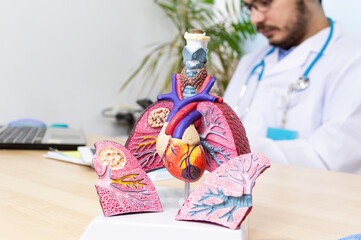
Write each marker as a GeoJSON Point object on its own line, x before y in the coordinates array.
{"type": "Point", "coordinates": [63, 61]}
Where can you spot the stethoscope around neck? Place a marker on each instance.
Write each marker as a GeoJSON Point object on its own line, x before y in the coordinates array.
{"type": "Point", "coordinates": [302, 82]}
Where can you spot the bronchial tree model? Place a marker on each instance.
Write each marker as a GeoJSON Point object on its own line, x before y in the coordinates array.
{"type": "Point", "coordinates": [187, 131]}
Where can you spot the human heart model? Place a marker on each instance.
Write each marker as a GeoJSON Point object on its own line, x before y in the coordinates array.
{"type": "Point", "coordinates": [187, 131]}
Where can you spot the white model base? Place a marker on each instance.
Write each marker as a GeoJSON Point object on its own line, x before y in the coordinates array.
{"type": "Point", "coordinates": [160, 226]}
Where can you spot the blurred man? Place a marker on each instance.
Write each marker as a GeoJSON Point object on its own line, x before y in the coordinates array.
{"type": "Point", "coordinates": [298, 97]}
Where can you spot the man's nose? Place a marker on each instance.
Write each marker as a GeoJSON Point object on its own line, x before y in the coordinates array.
{"type": "Point", "coordinates": [257, 16]}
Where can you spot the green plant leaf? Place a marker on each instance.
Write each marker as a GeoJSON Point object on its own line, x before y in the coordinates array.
{"type": "Point", "coordinates": [208, 1]}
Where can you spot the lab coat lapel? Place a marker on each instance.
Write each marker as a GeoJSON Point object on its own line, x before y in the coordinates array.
{"type": "Point", "coordinates": [297, 58]}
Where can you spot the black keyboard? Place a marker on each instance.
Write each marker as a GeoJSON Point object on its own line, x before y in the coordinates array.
{"type": "Point", "coordinates": [22, 135]}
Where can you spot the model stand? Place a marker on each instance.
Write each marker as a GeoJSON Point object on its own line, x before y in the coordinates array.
{"type": "Point", "coordinates": [160, 226]}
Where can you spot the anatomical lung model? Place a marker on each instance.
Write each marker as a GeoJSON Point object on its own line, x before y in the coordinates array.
{"type": "Point", "coordinates": [190, 129]}
{"type": "Point", "coordinates": [123, 185]}
{"type": "Point", "coordinates": [187, 131]}
{"type": "Point", "coordinates": [225, 197]}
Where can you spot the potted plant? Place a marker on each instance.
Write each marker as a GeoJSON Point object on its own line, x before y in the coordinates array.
{"type": "Point", "coordinates": [228, 30]}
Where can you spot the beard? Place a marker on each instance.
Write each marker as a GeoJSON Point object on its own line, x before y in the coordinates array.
{"type": "Point", "coordinates": [295, 29]}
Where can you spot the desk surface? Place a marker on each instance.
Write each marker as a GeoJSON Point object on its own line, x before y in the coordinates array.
{"type": "Point", "coordinates": [48, 199]}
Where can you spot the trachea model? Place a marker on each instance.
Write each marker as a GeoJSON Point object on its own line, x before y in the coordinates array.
{"type": "Point", "coordinates": [189, 131]}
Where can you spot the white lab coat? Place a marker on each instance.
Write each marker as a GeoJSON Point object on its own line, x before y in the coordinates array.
{"type": "Point", "coordinates": [327, 115]}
